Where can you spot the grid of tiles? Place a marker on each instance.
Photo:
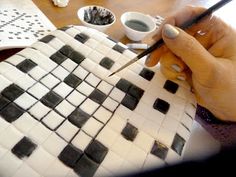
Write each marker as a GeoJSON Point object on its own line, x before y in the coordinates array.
{"type": "Point", "coordinates": [61, 115]}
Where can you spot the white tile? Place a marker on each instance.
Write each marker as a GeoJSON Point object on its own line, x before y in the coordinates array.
{"type": "Point", "coordinates": [98, 36]}
{"type": "Point", "coordinates": [128, 168]}
{"type": "Point", "coordinates": [191, 110]}
{"type": "Point", "coordinates": [183, 132]}
{"type": "Point", "coordinates": [53, 120]}
{"type": "Point", "coordinates": [38, 90]}
{"type": "Point", "coordinates": [76, 98]}
{"type": "Point", "coordinates": [121, 146]}
{"type": "Point", "coordinates": [10, 136]}
{"type": "Point", "coordinates": [96, 56]}
{"type": "Point", "coordinates": [56, 169]}
{"type": "Point", "coordinates": [38, 163]}
{"type": "Point", "coordinates": [25, 101]}
{"type": "Point", "coordinates": [116, 123]}
{"type": "Point", "coordinates": [56, 43]}
{"type": "Point", "coordinates": [81, 140]}
{"type": "Point", "coordinates": [39, 110]}
{"type": "Point", "coordinates": [3, 151]}
{"type": "Point", "coordinates": [137, 68]}
{"type": "Point", "coordinates": [117, 94]}
{"type": "Point", "coordinates": [60, 72]}
{"type": "Point", "coordinates": [72, 32]}
{"type": "Point", "coordinates": [153, 161]}
{"type": "Point", "coordinates": [109, 43]}
{"type": "Point", "coordinates": [54, 144]}
{"type": "Point", "coordinates": [89, 65]}
{"type": "Point", "coordinates": [112, 80]}
{"type": "Point", "coordinates": [92, 127]}
{"type": "Point", "coordinates": [176, 112]}
{"type": "Point", "coordinates": [172, 157]}
{"type": "Point", "coordinates": [183, 92]}
{"type": "Point", "coordinates": [5, 67]}
{"type": "Point", "coordinates": [92, 79]}
{"type": "Point", "coordinates": [101, 172]}
{"type": "Point", "coordinates": [144, 141]}
{"type": "Point", "coordinates": [14, 74]}
{"type": "Point", "coordinates": [105, 87]}
{"type": "Point", "coordinates": [26, 171]}
{"type": "Point", "coordinates": [65, 108]}
{"type": "Point", "coordinates": [123, 112]}
{"type": "Point", "coordinates": [3, 124]}
{"type": "Point", "coordinates": [89, 106]}
{"type": "Point", "coordinates": [114, 55]}
{"type": "Point", "coordinates": [101, 72]}
{"type": "Point", "coordinates": [39, 133]}
{"type": "Point", "coordinates": [63, 89]}
{"type": "Point", "coordinates": [15, 59]}
{"type": "Point", "coordinates": [85, 88]}
{"type": "Point", "coordinates": [150, 128]}
{"type": "Point", "coordinates": [165, 136]}
{"type": "Point", "coordinates": [92, 43]}
{"type": "Point", "coordinates": [4, 83]}
{"type": "Point", "coordinates": [69, 65]}
{"type": "Point", "coordinates": [25, 122]}
{"type": "Point", "coordinates": [103, 49]}
{"type": "Point", "coordinates": [102, 114]}
{"type": "Point", "coordinates": [50, 81]}
{"type": "Point", "coordinates": [170, 123]}
{"type": "Point", "coordinates": [137, 120]}
{"type": "Point", "coordinates": [110, 104]}
{"type": "Point", "coordinates": [129, 54]}
{"type": "Point", "coordinates": [44, 48]}
{"type": "Point", "coordinates": [67, 130]}
{"type": "Point", "coordinates": [83, 49]}
{"type": "Point", "coordinates": [37, 73]}
{"type": "Point", "coordinates": [80, 72]}
{"type": "Point", "coordinates": [187, 121]}
{"type": "Point", "coordinates": [107, 136]}
{"type": "Point", "coordinates": [25, 82]}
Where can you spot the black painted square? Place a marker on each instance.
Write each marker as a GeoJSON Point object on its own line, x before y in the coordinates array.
{"type": "Point", "coordinates": [97, 96]}
{"type": "Point", "coordinates": [129, 102]}
{"type": "Point", "coordinates": [123, 85]}
{"type": "Point", "coordinates": [66, 50]}
{"type": "Point", "coordinates": [64, 28]}
{"type": "Point", "coordinates": [24, 148]}
{"type": "Point", "coordinates": [147, 74]}
{"type": "Point", "coordinates": [70, 155]}
{"type": "Point", "coordinates": [3, 102]}
{"type": "Point", "coordinates": [96, 151]}
{"type": "Point", "coordinates": [118, 48]}
{"type": "Point", "coordinates": [86, 167]}
{"type": "Point", "coordinates": [12, 92]}
{"type": "Point", "coordinates": [72, 80]}
{"type": "Point", "coordinates": [106, 63]}
{"type": "Point", "coordinates": [26, 65]}
{"type": "Point", "coordinates": [58, 57]}
{"type": "Point", "coordinates": [178, 144]}
{"type": "Point", "coordinates": [82, 37]}
{"type": "Point", "coordinates": [47, 38]}
{"type": "Point", "coordinates": [159, 150]}
{"type": "Point", "coordinates": [51, 99]}
{"type": "Point", "coordinates": [136, 92]}
{"type": "Point", "coordinates": [161, 105]}
{"type": "Point", "coordinates": [170, 86]}
{"type": "Point", "coordinates": [11, 112]}
{"type": "Point", "coordinates": [78, 117]}
{"type": "Point", "coordinates": [129, 132]}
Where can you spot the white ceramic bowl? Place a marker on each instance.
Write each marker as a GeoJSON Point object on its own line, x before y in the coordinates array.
{"type": "Point", "coordinates": [134, 34]}
{"type": "Point", "coordinates": [104, 13]}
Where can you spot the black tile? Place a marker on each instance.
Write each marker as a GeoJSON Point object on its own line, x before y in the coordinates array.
{"type": "Point", "coordinates": [76, 57]}
{"type": "Point", "coordinates": [58, 57]}
{"type": "Point", "coordinates": [72, 80]}
{"type": "Point", "coordinates": [24, 148]}
{"type": "Point", "coordinates": [11, 112]}
{"type": "Point", "coordinates": [159, 150]}
{"type": "Point", "coordinates": [106, 63]}
{"type": "Point", "coordinates": [118, 48]}
{"type": "Point", "coordinates": [129, 102]}
{"type": "Point", "coordinates": [70, 155]}
{"type": "Point", "coordinates": [26, 65]}
{"type": "Point", "coordinates": [161, 105]}
{"type": "Point", "coordinates": [51, 99]}
{"type": "Point", "coordinates": [78, 117]}
{"type": "Point", "coordinates": [136, 92]}
{"type": "Point", "coordinates": [170, 86]}
{"type": "Point", "coordinates": [123, 85]}
{"type": "Point", "coordinates": [3, 102]}
{"type": "Point", "coordinates": [64, 28]}
{"type": "Point", "coordinates": [47, 38]}
{"type": "Point", "coordinates": [96, 151]}
{"type": "Point", "coordinates": [82, 37]}
{"type": "Point", "coordinates": [129, 132]}
{"type": "Point", "coordinates": [97, 96]}
{"type": "Point", "coordinates": [147, 74]}
{"type": "Point", "coordinates": [12, 92]}
{"type": "Point", "coordinates": [86, 167]}
{"type": "Point", "coordinates": [178, 144]}
{"type": "Point", "coordinates": [66, 50]}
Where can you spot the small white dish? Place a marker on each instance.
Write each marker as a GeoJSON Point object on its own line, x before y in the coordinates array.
{"type": "Point", "coordinates": [101, 18]}
{"type": "Point", "coordinates": [137, 25]}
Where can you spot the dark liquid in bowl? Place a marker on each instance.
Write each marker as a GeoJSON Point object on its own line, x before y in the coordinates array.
{"type": "Point", "coordinates": [137, 25]}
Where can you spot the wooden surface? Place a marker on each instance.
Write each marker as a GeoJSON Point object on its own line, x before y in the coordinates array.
{"type": "Point", "coordinates": [68, 15]}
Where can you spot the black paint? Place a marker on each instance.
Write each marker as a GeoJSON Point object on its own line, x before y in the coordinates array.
{"type": "Point", "coordinates": [161, 105]}
{"type": "Point", "coordinates": [137, 25]}
{"type": "Point", "coordinates": [78, 117]}
{"type": "Point", "coordinates": [26, 65]}
{"type": "Point", "coordinates": [171, 86]}
{"type": "Point", "coordinates": [129, 102]}
{"type": "Point", "coordinates": [159, 150]}
{"type": "Point", "coordinates": [97, 96]}
{"type": "Point", "coordinates": [81, 37]}
{"type": "Point", "coordinates": [58, 57]}
{"type": "Point", "coordinates": [12, 92]}
{"type": "Point", "coordinates": [72, 80]}
{"type": "Point", "coordinates": [47, 38]}
{"type": "Point", "coordinates": [147, 74]}
{"type": "Point", "coordinates": [136, 92]}
{"type": "Point", "coordinates": [129, 132]}
{"type": "Point", "coordinates": [3, 102]}
{"type": "Point", "coordinates": [178, 144]}
{"type": "Point", "coordinates": [123, 85]}
{"type": "Point", "coordinates": [51, 99]}
{"type": "Point", "coordinates": [106, 63]}
{"type": "Point", "coordinates": [118, 48]}
{"type": "Point", "coordinates": [11, 112]}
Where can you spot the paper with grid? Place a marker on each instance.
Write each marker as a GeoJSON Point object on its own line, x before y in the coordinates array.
{"type": "Point", "coordinates": [62, 116]}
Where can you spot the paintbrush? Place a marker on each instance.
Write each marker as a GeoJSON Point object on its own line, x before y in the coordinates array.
{"type": "Point", "coordinates": [186, 25]}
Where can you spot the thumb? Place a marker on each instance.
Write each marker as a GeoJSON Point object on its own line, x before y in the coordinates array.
{"type": "Point", "coordinates": [194, 55]}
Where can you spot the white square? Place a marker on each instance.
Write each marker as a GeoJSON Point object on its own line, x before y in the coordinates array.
{"type": "Point", "coordinates": [37, 73]}
{"type": "Point", "coordinates": [56, 43]}
{"type": "Point", "coordinates": [92, 127]}
{"type": "Point", "coordinates": [124, 112]}
{"type": "Point", "coordinates": [112, 80]}
{"type": "Point", "coordinates": [183, 132]}
{"type": "Point", "coordinates": [63, 89]}
{"type": "Point", "coordinates": [25, 169]}
{"type": "Point", "coordinates": [107, 136]}
{"type": "Point", "coordinates": [170, 123]}
{"type": "Point", "coordinates": [39, 110]}
{"type": "Point", "coordinates": [69, 65]}
{"type": "Point", "coordinates": [15, 59]}
{"type": "Point", "coordinates": [4, 83]}
{"type": "Point", "coordinates": [117, 94]}
{"type": "Point", "coordinates": [102, 114]}
{"type": "Point", "coordinates": [91, 43]}
{"type": "Point", "coordinates": [39, 133]}
{"type": "Point", "coordinates": [76, 98]}
{"type": "Point", "coordinates": [81, 140]}
{"type": "Point", "coordinates": [89, 106]}
{"type": "Point", "coordinates": [65, 108]}
{"type": "Point", "coordinates": [4, 124]}
{"type": "Point", "coordinates": [96, 56]}
{"type": "Point", "coordinates": [53, 120]}
{"type": "Point", "coordinates": [144, 141]}
{"type": "Point", "coordinates": [103, 49]}
{"type": "Point", "coordinates": [38, 90]}
{"type": "Point", "coordinates": [92, 79]}
{"type": "Point", "coordinates": [109, 43]}
{"type": "Point", "coordinates": [83, 49]}
{"type": "Point", "coordinates": [121, 146]}
{"type": "Point", "coordinates": [137, 120]}
{"type": "Point", "coordinates": [165, 136]}
{"type": "Point", "coordinates": [50, 81]}
{"type": "Point", "coordinates": [25, 82]}
{"type": "Point", "coordinates": [44, 48]}
{"type": "Point", "coordinates": [67, 130]}
{"type": "Point", "coordinates": [114, 55]}
{"type": "Point", "coordinates": [117, 123]}
{"type": "Point", "coordinates": [88, 65]}
{"type": "Point", "coordinates": [60, 72]}
{"type": "Point", "coordinates": [14, 74]}
{"type": "Point", "coordinates": [25, 101]}
{"type": "Point", "coordinates": [56, 169]}
{"type": "Point", "coordinates": [80, 72]}
{"type": "Point", "coordinates": [105, 87]}
{"type": "Point", "coordinates": [110, 104]}
{"type": "Point", "coordinates": [101, 72]}
{"type": "Point", "coordinates": [153, 161]}
{"type": "Point", "coordinates": [5, 67]}
{"type": "Point", "coordinates": [85, 88]}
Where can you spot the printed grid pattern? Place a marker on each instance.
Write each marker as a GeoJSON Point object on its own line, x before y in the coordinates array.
{"type": "Point", "coordinates": [61, 115]}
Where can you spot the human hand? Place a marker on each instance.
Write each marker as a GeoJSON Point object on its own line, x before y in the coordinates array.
{"type": "Point", "coordinates": [205, 56]}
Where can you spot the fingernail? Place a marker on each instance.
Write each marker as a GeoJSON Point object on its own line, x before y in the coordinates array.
{"type": "Point", "coordinates": [170, 31]}
{"type": "Point", "coordinates": [176, 68]}
{"type": "Point", "coordinates": [181, 78]}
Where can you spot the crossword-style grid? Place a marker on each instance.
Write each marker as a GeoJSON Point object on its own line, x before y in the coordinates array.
{"type": "Point", "coordinates": [61, 115]}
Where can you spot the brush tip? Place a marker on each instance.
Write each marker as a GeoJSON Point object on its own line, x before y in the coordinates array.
{"type": "Point", "coordinates": [111, 74]}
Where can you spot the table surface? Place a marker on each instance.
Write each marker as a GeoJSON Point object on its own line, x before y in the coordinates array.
{"type": "Point", "coordinates": [68, 15]}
